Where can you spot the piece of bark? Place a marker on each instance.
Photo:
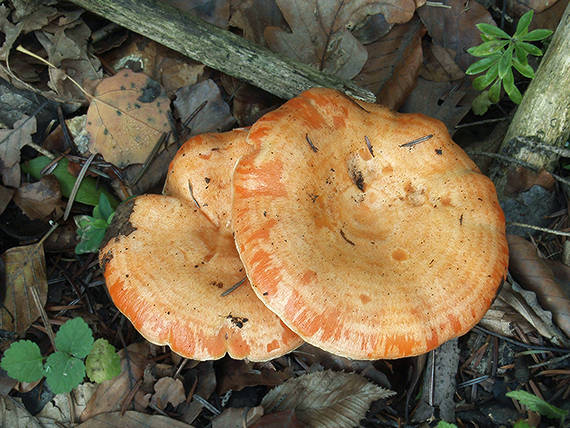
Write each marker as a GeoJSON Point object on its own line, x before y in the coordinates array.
{"type": "Point", "coordinates": [543, 115]}
{"type": "Point", "coordinates": [218, 48]}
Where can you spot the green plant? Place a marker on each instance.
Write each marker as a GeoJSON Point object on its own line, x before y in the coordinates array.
{"type": "Point", "coordinates": [532, 402]}
{"type": "Point", "coordinates": [501, 52]}
{"type": "Point", "coordinates": [64, 369]}
{"type": "Point", "coordinates": [91, 229]}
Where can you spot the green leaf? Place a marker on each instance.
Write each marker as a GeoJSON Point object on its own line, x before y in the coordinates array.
{"type": "Point", "coordinates": [521, 54]}
{"type": "Point", "coordinates": [443, 424]}
{"type": "Point", "coordinates": [492, 30]}
{"type": "Point", "coordinates": [522, 424]}
{"type": "Point", "coordinates": [482, 64]}
{"type": "Point", "coordinates": [505, 62]}
{"type": "Point", "coordinates": [510, 88]}
{"type": "Point", "coordinates": [105, 206]}
{"type": "Point", "coordinates": [488, 48]}
{"type": "Point", "coordinates": [495, 91]}
{"type": "Point", "coordinates": [528, 48]}
{"type": "Point", "coordinates": [102, 363]}
{"type": "Point", "coordinates": [63, 372]}
{"type": "Point", "coordinates": [75, 338]}
{"type": "Point", "coordinates": [482, 82]}
{"type": "Point", "coordinates": [91, 232]}
{"type": "Point", "coordinates": [524, 69]}
{"type": "Point", "coordinates": [524, 22]}
{"type": "Point", "coordinates": [481, 103]}
{"type": "Point", "coordinates": [90, 242]}
{"type": "Point", "coordinates": [89, 190]}
{"type": "Point", "coordinates": [23, 361]}
{"type": "Point", "coordinates": [532, 402]}
{"type": "Point", "coordinates": [536, 35]}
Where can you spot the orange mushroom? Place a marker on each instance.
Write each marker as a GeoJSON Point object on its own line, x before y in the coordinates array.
{"type": "Point", "coordinates": [167, 261]}
{"type": "Point", "coordinates": [371, 234]}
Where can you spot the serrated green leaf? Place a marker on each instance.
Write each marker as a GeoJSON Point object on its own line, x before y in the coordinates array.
{"type": "Point", "coordinates": [482, 65]}
{"type": "Point", "coordinates": [23, 361]}
{"type": "Point", "coordinates": [495, 91]}
{"type": "Point", "coordinates": [488, 48]}
{"type": "Point", "coordinates": [481, 103]}
{"type": "Point", "coordinates": [492, 30]}
{"type": "Point", "coordinates": [510, 88]}
{"type": "Point", "coordinates": [530, 49]}
{"type": "Point", "coordinates": [103, 362]}
{"type": "Point", "coordinates": [532, 402]}
{"type": "Point", "coordinates": [524, 22]}
{"type": "Point", "coordinates": [75, 338]}
{"type": "Point", "coordinates": [505, 62]}
{"type": "Point", "coordinates": [89, 190]}
{"type": "Point", "coordinates": [63, 372]}
{"type": "Point", "coordinates": [482, 82]}
{"type": "Point", "coordinates": [536, 35]}
{"type": "Point", "coordinates": [524, 69]}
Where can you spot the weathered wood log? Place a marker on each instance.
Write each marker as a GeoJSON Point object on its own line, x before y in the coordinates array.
{"type": "Point", "coordinates": [218, 48]}
{"type": "Point", "coordinates": [544, 113]}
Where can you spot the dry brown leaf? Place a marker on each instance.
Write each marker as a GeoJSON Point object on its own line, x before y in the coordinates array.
{"type": "Point", "coordinates": [454, 28]}
{"type": "Point", "coordinates": [252, 16]}
{"type": "Point", "coordinates": [41, 199]}
{"type": "Point", "coordinates": [237, 374]}
{"type": "Point", "coordinates": [15, 415]}
{"type": "Point", "coordinates": [25, 268]}
{"type": "Point", "coordinates": [5, 197]}
{"type": "Point", "coordinates": [57, 411]}
{"type": "Point", "coordinates": [284, 419]}
{"type": "Point", "coordinates": [205, 377]}
{"type": "Point", "coordinates": [522, 6]}
{"type": "Point", "coordinates": [11, 142]}
{"type": "Point", "coordinates": [132, 419]}
{"type": "Point", "coordinates": [168, 390]}
{"type": "Point", "coordinates": [214, 116]}
{"type": "Point", "coordinates": [439, 65]}
{"type": "Point", "coordinates": [521, 179]}
{"type": "Point", "coordinates": [127, 117]}
{"type": "Point", "coordinates": [215, 12]}
{"type": "Point", "coordinates": [170, 68]}
{"type": "Point", "coordinates": [325, 399]}
{"type": "Point", "coordinates": [320, 31]}
{"type": "Point", "coordinates": [110, 393]}
{"type": "Point", "coordinates": [237, 418]}
{"type": "Point", "coordinates": [11, 31]}
{"type": "Point", "coordinates": [393, 64]}
{"type": "Point", "coordinates": [534, 274]}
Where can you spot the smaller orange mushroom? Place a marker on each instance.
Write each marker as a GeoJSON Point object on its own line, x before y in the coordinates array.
{"type": "Point", "coordinates": [167, 265]}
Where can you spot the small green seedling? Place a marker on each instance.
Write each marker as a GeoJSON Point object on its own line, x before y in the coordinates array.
{"type": "Point", "coordinates": [64, 369]}
{"type": "Point", "coordinates": [536, 404]}
{"type": "Point", "coordinates": [91, 229]}
{"type": "Point", "coordinates": [500, 53]}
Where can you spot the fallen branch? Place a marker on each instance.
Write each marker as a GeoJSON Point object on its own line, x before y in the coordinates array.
{"type": "Point", "coordinates": [218, 48]}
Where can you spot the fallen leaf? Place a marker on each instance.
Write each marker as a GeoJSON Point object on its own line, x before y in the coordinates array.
{"type": "Point", "coordinates": [325, 399]}
{"type": "Point", "coordinates": [109, 394]}
{"type": "Point", "coordinates": [168, 390]}
{"type": "Point", "coordinates": [393, 64]}
{"type": "Point", "coordinates": [237, 418]}
{"type": "Point", "coordinates": [214, 116]}
{"type": "Point", "coordinates": [41, 199]}
{"type": "Point", "coordinates": [521, 179]}
{"type": "Point", "coordinates": [11, 142]}
{"type": "Point", "coordinates": [439, 65]}
{"type": "Point", "coordinates": [25, 269]}
{"type": "Point", "coordinates": [537, 5]}
{"type": "Point", "coordinates": [205, 377]}
{"type": "Point", "coordinates": [215, 12]}
{"type": "Point", "coordinates": [238, 374]}
{"type": "Point", "coordinates": [454, 28]}
{"type": "Point", "coordinates": [252, 16]}
{"type": "Point", "coordinates": [127, 117]}
{"type": "Point", "coordinates": [5, 197]}
{"type": "Point", "coordinates": [534, 274]}
{"type": "Point", "coordinates": [132, 419]}
{"type": "Point", "coordinates": [320, 32]}
{"type": "Point", "coordinates": [57, 410]}
{"type": "Point", "coordinates": [11, 31]}
{"type": "Point", "coordinates": [284, 419]}
{"type": "Point", "coordinates": [15, 415]}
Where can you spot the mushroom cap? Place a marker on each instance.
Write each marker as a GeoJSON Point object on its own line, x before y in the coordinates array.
{"type": "Point", "coordinates": [365, 246]}
{"type": "Point", "coordinates": [165, 266]}
{"type": "Point", "coordinates": [201, 173]}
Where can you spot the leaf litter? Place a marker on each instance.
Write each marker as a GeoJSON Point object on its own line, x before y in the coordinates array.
{"type": "Point", "coordinates": [384, 47]}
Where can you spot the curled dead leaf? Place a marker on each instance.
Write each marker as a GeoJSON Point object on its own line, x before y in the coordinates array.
{"type": "Point", "coordinates": [41, 199]}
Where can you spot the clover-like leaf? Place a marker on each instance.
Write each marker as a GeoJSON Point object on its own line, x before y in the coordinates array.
{"type": "Point", "coordinates": [510, 88]}
{"type": "Point", "coordinates": [63, 372]}
{"type": "Point", "coordinates": [495, 91]}
{"type": "Point", "coordinates": [103, 362]}
{"type": "Point", "coordinates": [488, 48]}
{"type": "Point", "coordinates": [483, 64]}
{"type": "Point", "coordinates": [524, 22]}
{"type": "Point", "coordinates": [492, 30]}
{"type": "Point", "coordinates": [75, 338]}
{"type": "Point", "coordinates": [23, 361]}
